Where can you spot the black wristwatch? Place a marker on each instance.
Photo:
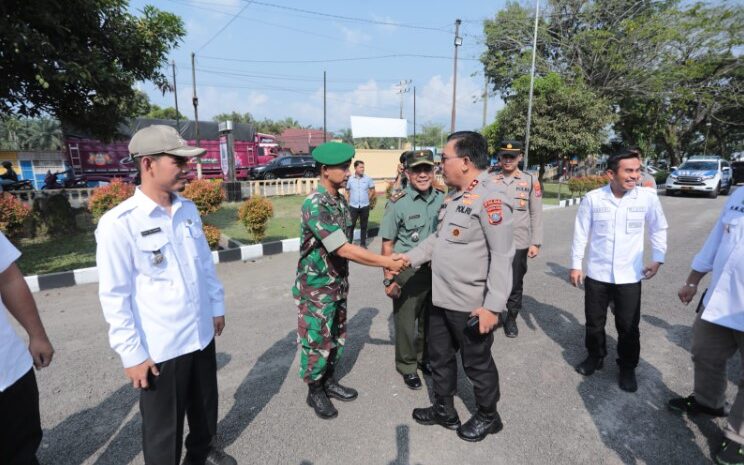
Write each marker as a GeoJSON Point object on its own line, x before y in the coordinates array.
{"type": "Point", "coordinates": [387, 282]}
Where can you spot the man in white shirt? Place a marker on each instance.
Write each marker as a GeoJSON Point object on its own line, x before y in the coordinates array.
{"type": "Point", "coordinates": [718, 331]}
{"type": "Point", "coordinates": [612, 220]}
{"type": "Point", "coordinates": [20, 428]}
{"type": "Point", "coordinates": [164, 304]}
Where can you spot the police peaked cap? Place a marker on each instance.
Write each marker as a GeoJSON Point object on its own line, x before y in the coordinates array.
{"type": "Point", "coordinates": [511, 147]}
{"type": "Point", "coordinates": [333, 153]}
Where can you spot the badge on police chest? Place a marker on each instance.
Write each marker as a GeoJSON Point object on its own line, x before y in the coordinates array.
{"type": "Point", "coordinates": [415, 236]}
{"type": "Point", "coordinates": [157, 257]}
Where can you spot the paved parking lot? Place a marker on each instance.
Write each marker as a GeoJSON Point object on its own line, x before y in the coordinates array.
{"type": "Point", "coordinates": [552, 414]}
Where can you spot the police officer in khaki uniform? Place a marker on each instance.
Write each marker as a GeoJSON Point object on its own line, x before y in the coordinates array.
{"type": "Point", "coordinates": [410, 217]}
{"type": "Point", "coordinates": [471, 255]}
{"type": "Point", "coordinates": [524, 190]}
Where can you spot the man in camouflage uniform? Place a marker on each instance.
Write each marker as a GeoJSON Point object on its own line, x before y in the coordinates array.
{"type": "Point", "coordinates": [322, 284]}
{"type": "Point", "coordinates": [410, 217]}
{"type": "Point", "coordinates": [523, 189]}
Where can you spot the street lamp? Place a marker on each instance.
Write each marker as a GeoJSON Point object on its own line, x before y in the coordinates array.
{"type": "Point", "coordinates": [458, 43]}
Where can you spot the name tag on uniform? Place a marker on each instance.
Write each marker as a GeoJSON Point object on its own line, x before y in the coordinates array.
{"type": "Point", "coordinates": [413, 217]}
{"type": "Point", "coordinates": [633, 226]}
{"type": "Point", "coordinates": [637, 209]}
{"type": "Point", "coordinates": [464, 209]}
{"type": "Point", "coordinates": [150, 232]}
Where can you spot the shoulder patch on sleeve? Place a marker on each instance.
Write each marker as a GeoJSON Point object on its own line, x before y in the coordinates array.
{"type": "Point", "coordinates": [397, 196]}
{"type": "Point", "coordinates": [537, 188]}
{"type": "Point", "coordinates": [494, 210]}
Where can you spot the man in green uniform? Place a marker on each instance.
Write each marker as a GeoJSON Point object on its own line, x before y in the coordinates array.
{"type": "Point", "coordinates": [410, 217]}
{"type": "Point", "coordinates": [322, 283]}
{"type": "Point", "coordinates": [523, 189]}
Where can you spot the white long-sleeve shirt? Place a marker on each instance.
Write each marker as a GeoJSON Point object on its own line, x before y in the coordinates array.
{"type": "Point", "coordinates": [723, 254]}
{"type": "Point", "coordinates": [15, 359]}
{"type": "Point", "coordinates": [614, 229]}
{"type": "Point", "coordinates": [157, 283]}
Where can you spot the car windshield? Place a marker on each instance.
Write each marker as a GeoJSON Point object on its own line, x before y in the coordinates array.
{"type": "Point", "coordinates": [700, 165]}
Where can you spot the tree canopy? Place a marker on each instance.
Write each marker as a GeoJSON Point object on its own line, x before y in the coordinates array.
{"type": "Point", "coordinates": [78, 60]}
{"type": "Point", "coordinates": [266, 126]}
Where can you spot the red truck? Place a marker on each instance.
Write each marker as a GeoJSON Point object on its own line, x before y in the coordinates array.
{"type": "Point", "coordinates": [100, 161]}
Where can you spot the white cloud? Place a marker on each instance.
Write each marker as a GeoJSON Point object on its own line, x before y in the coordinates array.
{"type": "Point", "coordinates": [355, 36]}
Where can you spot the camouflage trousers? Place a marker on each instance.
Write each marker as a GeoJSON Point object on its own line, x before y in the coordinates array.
{"type": "Point", "coordinates": [321, 334]}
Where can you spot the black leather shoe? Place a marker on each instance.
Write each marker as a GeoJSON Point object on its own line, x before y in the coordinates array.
{"type": "Point", "coordinates": [337, 391]}
{"type": "Point", "coordinates": [480, 426]}
{"type": "Point", "coordinates": [692, 407]}
{"type": "Point", "coordinates": [627, 380]}
{"type": "Point", "coordinates": [425, 368]}
{"type": "Point", "coordinates": [215, 457]}
{"type": "Point", "coordinates": [319, 401]}
{"type": "Point", "coordinates": [590, 365]}
{"type": "Point", "coordinates": [510, 326]}
{"type": "Point", "coordinates": [412, 380]}
{"type": "Point", "coordinates": [437, 414]}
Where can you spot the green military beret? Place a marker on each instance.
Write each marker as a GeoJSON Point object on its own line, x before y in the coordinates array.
{"type": "Point", "coordinates": [418, 157]}
{"type": "Point", "coordinates": [333, 153]}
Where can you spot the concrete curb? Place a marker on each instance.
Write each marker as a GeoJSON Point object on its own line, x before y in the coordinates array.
{"type": "Point", "coordinates": [45, 282]}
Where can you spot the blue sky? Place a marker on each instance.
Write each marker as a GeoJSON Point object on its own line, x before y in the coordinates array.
{"type": "Point", "coordinates": [297, 46]}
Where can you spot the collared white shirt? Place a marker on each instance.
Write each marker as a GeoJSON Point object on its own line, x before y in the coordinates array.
{"type": "Point", "coordinates": [614, 228]}
{"type": "Point", "coordinates": [157, 283]}
{"type": "Point", "coordinates": [15, 359]}
{"type": "Point", "coordinates": [723, 254]}
{"type": "Point", "coordinates": [358, 187]}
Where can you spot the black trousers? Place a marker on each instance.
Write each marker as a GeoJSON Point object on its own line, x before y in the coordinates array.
{"type": "Point", "coordinates": [362, 214]}
{"type": "Point", "coordinates": [20, 423]}
{"type": "Point", "coordinates": [627, 298]}
{"type": "Point", "coordinates": [446, 336]}
{"type": "Point", "coordinates": [519, 269]}
{"type": "Point", "coordinates": [187, 385]}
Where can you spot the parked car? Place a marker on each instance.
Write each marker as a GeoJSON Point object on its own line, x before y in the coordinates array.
{"type": "Point", "coordinates": [708, 174]}
{"type": "Point", "coordinates": [286, 167]}
{"type": "Point", "coordinates": [737, 171]}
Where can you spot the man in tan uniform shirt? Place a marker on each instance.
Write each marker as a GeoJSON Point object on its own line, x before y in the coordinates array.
{"type": "Point", "coordinates": [523, 189]}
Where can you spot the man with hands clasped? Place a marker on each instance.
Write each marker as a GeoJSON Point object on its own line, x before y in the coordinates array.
{"type": "Point", "coordinates": [612, 221]}
{"type": "Point", "coordinates": [470, 255]}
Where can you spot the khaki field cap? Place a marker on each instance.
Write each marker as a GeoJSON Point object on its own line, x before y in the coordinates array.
{"type": "Point", "coordinates": [157, 139]}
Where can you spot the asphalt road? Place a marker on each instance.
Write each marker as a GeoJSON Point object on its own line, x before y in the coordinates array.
{"type": "Point", "coordinates": [552, 414]}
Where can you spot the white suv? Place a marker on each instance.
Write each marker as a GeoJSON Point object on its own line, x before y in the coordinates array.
{"type": "Point", "coordinates": [708, 174]}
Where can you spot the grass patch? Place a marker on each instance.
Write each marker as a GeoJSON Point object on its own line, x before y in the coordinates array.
{"type": "Point", "coordinates": [284, 225]}
{"type": "Point", "coordinates": [42, 255]}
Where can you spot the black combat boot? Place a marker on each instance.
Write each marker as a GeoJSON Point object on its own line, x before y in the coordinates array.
{"type": "Point", "coordinates": [590, 365]}
{"type": "Point", "coordinates": [319, 401]}
{"type": "Point", "coordinates": [480, 426]}
{"type": "Point", "coordinates": [335, 390]}
{"type": "Point", "coordinates": [442, 413]}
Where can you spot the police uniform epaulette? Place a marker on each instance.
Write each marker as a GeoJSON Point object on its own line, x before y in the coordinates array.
{"type": "Point", "coordinates": [397, 196]}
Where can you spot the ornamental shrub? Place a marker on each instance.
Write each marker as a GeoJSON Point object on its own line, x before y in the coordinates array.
{"type": "Point", "coordinates": [255, 213]}
{"type": "Point", "coordinates": [13, 213]}
{"type": "Point", "coordinates": [56, 214]}
{"type": "Point", "coordinates": [583, 184]}
{"type": "Point", "coordinates": [207, 194]}
{"type": "Point", "coordinates": [105, 198]}
{"type": "Point", "coordinates": [212, 233]}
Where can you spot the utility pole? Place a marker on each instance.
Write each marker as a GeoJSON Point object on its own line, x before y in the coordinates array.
{"type": "Point", "coordinates": [175, 95]}
{"type": "Point", "coordinates": [414, 117]}
{"type": "Point", "coordinates": [458, 42]}
{"type": "Point", "coordinates": [532, 86]}
{"type": "Point", "coordinates": [195, 101]}
{"type": "Point", "coordinates": [485, 102]}
{"type": "Point", "coordinates": [324, 106]}
{"type": "Point", "coordinates": [403, 87]}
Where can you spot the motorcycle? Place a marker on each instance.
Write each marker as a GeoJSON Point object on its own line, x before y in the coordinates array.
{"type": "Point", "coordinates": [20, 185]}
{"type": "Point", "coordinates": [51, 181]}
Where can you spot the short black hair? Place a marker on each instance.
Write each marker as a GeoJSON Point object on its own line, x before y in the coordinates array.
{"type": "Point", "coordinates": [473, 145]}
{"type": "Point", "coordinates": [357, 163]}
{"type": "Point", "coordinates": [614, 160]}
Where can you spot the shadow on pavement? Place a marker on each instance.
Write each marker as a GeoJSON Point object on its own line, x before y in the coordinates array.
{"type": "Point", "coordinates": [357, 335]}
{"type": "Point", "coordinates": [637, 427]}
{"type": "Point", "coordinates": [402, 440]}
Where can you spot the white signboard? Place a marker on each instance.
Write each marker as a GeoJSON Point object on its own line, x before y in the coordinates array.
{"type": "Point", "coordinates": [223, 154]}
{"type": "Point", "coordinates": [367, 126]}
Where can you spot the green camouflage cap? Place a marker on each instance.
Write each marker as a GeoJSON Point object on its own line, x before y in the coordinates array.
{"type": "Point", "coordinates": [333, 153]}
{"type": "Point", "coordinates": [419, 157]}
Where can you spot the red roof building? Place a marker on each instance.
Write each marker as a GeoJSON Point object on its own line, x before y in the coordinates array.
{"type": "Point", "coordinates": [302, 140]}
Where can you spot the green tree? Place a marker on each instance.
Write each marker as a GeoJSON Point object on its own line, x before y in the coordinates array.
{"type": "Point", "coordinates": [346, 136]}
{"type": "Point", "coordinates": [79, 60]}
{"type": "Point", "coordinates": [44, 134]}
{"type": "Point", "coordinates": [431, 135]}
{"type": "Point", "coordinates": [157, 112]}
{"type": "Point", "coordinates": [567, 119]}
{"type": "Point", "coordinates": [235, 117]}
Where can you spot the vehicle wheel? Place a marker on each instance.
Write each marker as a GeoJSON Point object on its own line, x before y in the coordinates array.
{"type": "Point", "coordinates": [669, 193]}
{"type": "Point", "coordinates": [715, 192]}
{"type": "Point", "coordinates": [727, 190]}
{"type": "Point", "coordinates": [308, 174]}
{"type": "Point", "coordinates": [269, 176]}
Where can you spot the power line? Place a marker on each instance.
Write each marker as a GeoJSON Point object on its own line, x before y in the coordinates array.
{"type": "Point", "coordinates": [334, 60]}
{"type": "Point", "coordinates": [225, 26]}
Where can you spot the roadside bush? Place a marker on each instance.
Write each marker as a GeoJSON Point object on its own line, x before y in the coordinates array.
{"type": "Point", "coordinates": [255, 213]}
{"type": "Point", "coordinates": [105, 198]}
{"type": "Point", "coordinates": [212, 233]}
{"type": "Point", "coordinates": [660, 177]}
{"type": "Point", "coordinates": [583, 184]}
{"type": "Point", "coordinates": [56, 214]}
{"type": "Point", "coordinates": [13, 214]}
{"type": "Point", "coordinates": [207, 194]}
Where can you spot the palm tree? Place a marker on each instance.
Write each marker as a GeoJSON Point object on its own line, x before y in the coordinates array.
{"type": "Point", "coordinates": [44, 134]}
